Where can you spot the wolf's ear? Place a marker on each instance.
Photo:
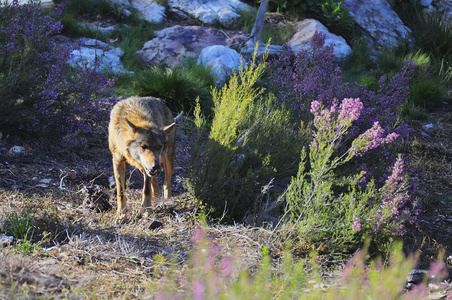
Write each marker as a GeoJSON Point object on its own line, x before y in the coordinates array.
{"type": "Point", "coordinates": [131, 126]}
{"type": "Point", "coordinates": [167, 129]}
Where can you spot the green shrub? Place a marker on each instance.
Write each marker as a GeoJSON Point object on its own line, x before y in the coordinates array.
{"type": "Point", "coordinates": [428, 86]}
{"type": "Point", "coordinates": [337, 210]}
{"type": "Point", "coordinates": [251, 141]}
{"type": "Point", "coordinates": [426, 93]}
{"type": "Point", "coordinates": [178, 86]}
{"type": "Point", "coordinates": [359, 63]}
{"type": "Point", "coordinates": [73, 28]}
{"type": "Point", "coordinates": [19, 225]}
{"type": "Point", "coordinates": [332, 13]}
{"type": "Point", "coordinates": [412, 112]}
{"type": "Point", "coordinates": [431, 35]}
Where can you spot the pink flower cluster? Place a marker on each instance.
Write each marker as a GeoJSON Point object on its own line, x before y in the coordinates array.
{"type": "Point", "coordinates": [373, 138]}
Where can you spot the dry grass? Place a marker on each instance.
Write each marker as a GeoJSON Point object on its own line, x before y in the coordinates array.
{"type": "Point", "coordinates": [82, 252]}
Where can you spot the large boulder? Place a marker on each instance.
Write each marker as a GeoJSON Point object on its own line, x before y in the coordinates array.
{"type": "Point", "coordinates": [379, 20]}
{"type": "Point", "coordinates": [209, 12]}
{"type": "Point", "coordinates": [172, 45]}
{"type": "Point", "coordinates": [222, 60]}
{"type": "Point", "coordinates": [93, 51]}
{"type": "Point", "coordinates": [304, 32]}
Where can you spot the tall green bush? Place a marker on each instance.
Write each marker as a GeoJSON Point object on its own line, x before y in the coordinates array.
{"type": "Point", "coordinates": [251, 141]}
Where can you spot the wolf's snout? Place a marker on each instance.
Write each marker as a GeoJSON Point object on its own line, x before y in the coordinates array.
{"type": "Point", "coordinates": [152, 171]}
{"type": "Point", "coordinates": [155, 167]}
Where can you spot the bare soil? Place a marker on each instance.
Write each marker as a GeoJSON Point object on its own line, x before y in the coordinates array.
{"type": "Point", "coordinates": [83, 253]}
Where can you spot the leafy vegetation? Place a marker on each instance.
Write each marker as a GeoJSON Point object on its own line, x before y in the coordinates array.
{"type": "Point", "coordinates": [336, 211]}
{"type": "Point", "coordinates": [278, 33]}
{"type": "Point", "coordinates": [41, 92]}
{"type": "Point", "coordinates": [178, 86]}
{"type": "Point", "coordinates": [302, 147]}
{"type": "Point", "coordinates": [250, 141]}
{"type": "Point", "coordinates": [209, 275]}
{"type": "Point", "coordinates": [332, 13]}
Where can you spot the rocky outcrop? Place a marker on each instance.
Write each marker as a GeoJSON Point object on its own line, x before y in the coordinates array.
{"type": "Point", "coordinates": [305, 30]}
{"type": "Point", "coordinates": [379, 21]}
{"type": "Point", "coordinates": [175, 43]}
{"type": "Point", "coordinates": [209, 12]}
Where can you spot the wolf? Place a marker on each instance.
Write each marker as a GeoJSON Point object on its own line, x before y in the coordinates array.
{"type": "Point", "coordinates": [142, 133]}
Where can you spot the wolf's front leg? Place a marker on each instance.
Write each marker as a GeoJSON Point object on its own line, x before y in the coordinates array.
{"type": "Point", "coordinates": [146, 192]}
{"type": "Point", "coordinates": [119, 168]}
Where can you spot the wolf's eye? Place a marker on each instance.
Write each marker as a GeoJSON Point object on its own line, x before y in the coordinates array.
{"type": "Point", "coordinates": [144, 146]}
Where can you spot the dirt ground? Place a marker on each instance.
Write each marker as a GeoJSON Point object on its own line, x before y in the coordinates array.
{"type": "Point", "coordinates": [83, 253]}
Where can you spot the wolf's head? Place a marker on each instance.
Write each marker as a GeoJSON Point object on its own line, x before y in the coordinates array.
{"type": "Point", "coordinates": [148, 145]}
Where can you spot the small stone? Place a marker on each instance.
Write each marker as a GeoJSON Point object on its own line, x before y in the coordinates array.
{"type": "Point", "coordinates": [155, 224]}
{"type": "Point", "coordinates": [416, 276]}
{"type": "Point", "coordinates": [425, 134]}
{"type": "Point", "coordinates": [95, 198]}
{"type": "Point", "coordinates": [50, 261]}
{"type": "Point", "coordinates": [15, 150]}
{"type": "Point", "coordinates": [45, 180]}
{"type": "Point", "coordinates": [111, 181]}
{"type": "Point", "coordinates": [5, 240]}
{"type": "Point", "coordinates": [426, 3]}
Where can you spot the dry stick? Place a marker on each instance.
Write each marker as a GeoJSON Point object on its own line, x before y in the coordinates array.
{"type": "Point", "coordinates": [256, 33]}
{"type": "Point", "coordinates": [177, 118]}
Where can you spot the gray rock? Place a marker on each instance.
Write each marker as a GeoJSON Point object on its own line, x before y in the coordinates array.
{"type": "Point", "coordinates": [426, 2]}
{"type": "Point", "coordinates": [249, 48]}
{"type": "Point", "coordinates": [305, 30]}
{"type": "Point", "coordinates": [224, 11]}
{"type": "Point", "coordinates": [221, 59]}
{"type": "Point", "coordinates": [15, 150]}
{"type": "Point", "coordinates": [379, 20]}
{"type": "Point", "coordinates": [415, 277]}
{"type": "Point", "coordinates": [104, 28]}
{"type": "Point", "coordinates": [149, 10]}
{"type": "Point", "coordinates": [123, 3]}
{"type": "Point", "coordinates": [95, 50]}
{"type": "Point", "coordinates": [42, 3]}
{"type": "Point", "coordinates": [5, 240]}
{"type": "Point", "coordinates": [172, 45]}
